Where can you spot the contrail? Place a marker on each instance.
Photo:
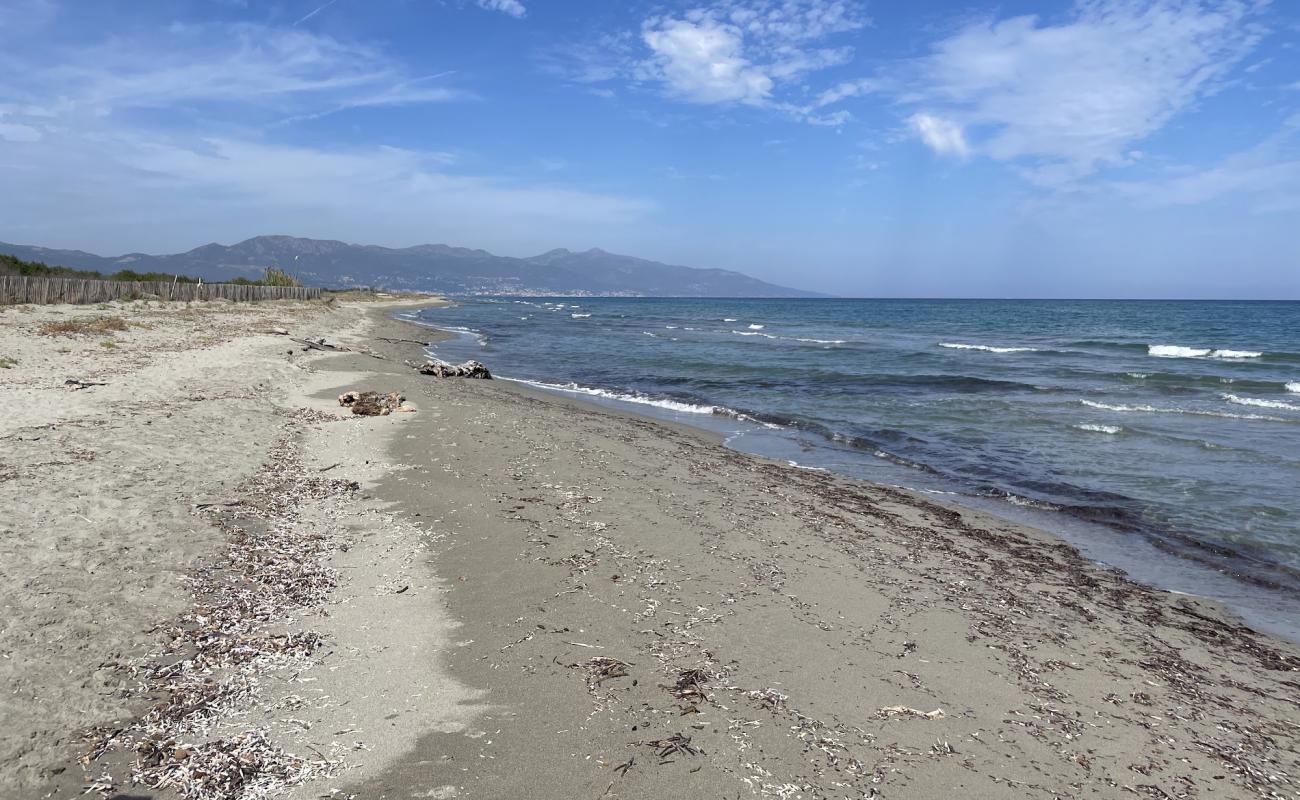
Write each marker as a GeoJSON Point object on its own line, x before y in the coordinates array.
{"type": "Point", "coordinates": [311, 14]}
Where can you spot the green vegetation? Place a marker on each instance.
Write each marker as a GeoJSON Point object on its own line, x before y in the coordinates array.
{"type": "Point", "coordinates": [7, 363]}
{"type": "Point", "coordinates": [9, 265]}
{"type": "Point", "coordinates": [81, 325]}
{"type": "Point", "coordinates": [272, 277]}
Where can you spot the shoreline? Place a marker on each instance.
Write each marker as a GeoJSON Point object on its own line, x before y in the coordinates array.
{"type": "Point", "coordinates": [1070, 602]}
{"type": "Point", "coordinates": [1242, 586]}
{"type": "Point", "coordinates": [533, 597]}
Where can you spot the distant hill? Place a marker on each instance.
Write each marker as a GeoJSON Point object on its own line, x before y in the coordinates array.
{"type": "Point", "coordinates": [428, 267]}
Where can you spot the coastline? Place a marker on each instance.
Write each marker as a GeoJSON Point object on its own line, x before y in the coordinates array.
{"type": "Point", "coordinates": [539, 598]}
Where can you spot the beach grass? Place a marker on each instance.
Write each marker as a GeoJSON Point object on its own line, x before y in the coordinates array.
{"type": "Point", "coordinates": [102, 324]}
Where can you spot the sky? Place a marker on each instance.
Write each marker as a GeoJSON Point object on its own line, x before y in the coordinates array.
{"type": "Point", "coordinates": [1144, 148]}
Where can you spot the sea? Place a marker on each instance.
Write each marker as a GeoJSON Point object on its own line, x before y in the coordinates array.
{"type": "Point", "coordinates": [1161, 438]}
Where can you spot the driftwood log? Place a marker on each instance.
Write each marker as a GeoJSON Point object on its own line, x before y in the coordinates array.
{"type": "Point", "coordinates": [319, 344]}
{"type": "Point", "coordinates": [444, 369]}
{"type": "Point", "coordinates": [373, 404]}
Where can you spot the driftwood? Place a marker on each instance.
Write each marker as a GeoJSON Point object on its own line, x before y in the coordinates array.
{"type": "Point", "coordinates": [373, 404]}
{"type": "Point", "coordinates": [442, 369]}
{"type": "Point", "coordinates": [76, 384]}
{"type": "Point", "coordinates": [319, 344]}
{"type": "Point", "coordinates": [401, 341]}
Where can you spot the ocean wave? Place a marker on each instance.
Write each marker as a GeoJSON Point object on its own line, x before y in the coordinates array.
{"type": "Point", "coordinates": [1148, 409]}
{"type": "Point", "coordinates": [756, 327]}
{"type": "Point", "coordinates": [789, 338]}
{"type": "Point", "coordinates": [1110, 429]}
{"type": "Point", "coordinates": [1178, 351]}
{"type": "Point", "coordinates": [987, 348]}
{"type": "Point", "coordinates": [627, 397]}
{"type": "Point", "coordinates": [729, 319]}
{"type": "Point", "coordinates": [480, 336]}
{"type": "Point", "coordinates": [579, 316]}
{"type": "Point", "coordinates": [1294, 386]}
{"type": "Point", "coordinates": [1257, 403]}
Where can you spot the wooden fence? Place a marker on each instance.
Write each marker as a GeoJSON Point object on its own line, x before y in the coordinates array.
{"type": "Point", "coordinates": [18, 289]}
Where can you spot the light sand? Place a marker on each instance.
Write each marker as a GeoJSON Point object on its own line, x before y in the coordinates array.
{"type": "Point", "coordinates": [503, 542]}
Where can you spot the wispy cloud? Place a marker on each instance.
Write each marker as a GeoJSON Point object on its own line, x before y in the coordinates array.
{"type": "Point", "coordinates": [512, 7]}
{"type": "Point", "coordinates": [314, 12]}
{"type": "Point", "coordinates": [1071, 97]}
{"type": "Point", "coordinates": [1267, 175]}
{"type": "Point", "coordinates": [249, 66]}
{"type": "Point", "coordinates": [81, 138]}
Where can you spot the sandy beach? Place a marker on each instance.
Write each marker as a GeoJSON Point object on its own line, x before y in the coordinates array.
{"type": "Point", "coordinates": [217, 580]}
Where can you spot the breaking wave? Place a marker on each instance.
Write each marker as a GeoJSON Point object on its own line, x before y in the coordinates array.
{"type": "Point", "coordinates": [1148, 409]}
{"type": "Point", "coordinates": [1257, 403]}
{"type": "Point", "coordinates": [1178, 351]}
{"type": "Point", "coordinates": [1110, 429]}
{"type": "Point", "coordinates": [987, 348]}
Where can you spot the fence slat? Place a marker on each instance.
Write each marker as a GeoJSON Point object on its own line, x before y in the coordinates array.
{"type": "Point", "coordinates": [15, 289]}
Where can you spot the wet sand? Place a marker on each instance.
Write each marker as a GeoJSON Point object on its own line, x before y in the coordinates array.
{"type": "Point", "coordinates": [534, 598]}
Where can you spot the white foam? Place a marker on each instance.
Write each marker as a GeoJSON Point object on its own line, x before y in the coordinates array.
{"type": "Point", "coordinates": [1110, 429]}
{"type": "Point", "coordinates": [579, 316]}
{"type": "Point", "coordinates": [754, 333]}
{"type": "Point", "coordinates": [1294, 386]}
{"type": "Point", "coordinates": [1235, 354]}
{"type": "Point", "coordinates": [671, 327]}
{"type": "Point", "coordinates": [797, 465]}
{"type": "Point", "coordinates": [573, 388]}
{"type": "Point", "coordinates": [1257, 403]}
{"type": "Point", "coordinates": [987, 348]}
{"type": "Point", "coordinates": [1155, 410]}
{"type": "Point", "coordinates": [756, 327]}
{"type": "Point", "coordinates": [729, 319]}
{"type": "Point", "coordinates": [1178, 351]}
{"type": "Point", "coordinates": [1139, 375]}
{"type": "Point", "coordinates": [478, 335]}
{"type": "Point", "coordinates": [820, 341]}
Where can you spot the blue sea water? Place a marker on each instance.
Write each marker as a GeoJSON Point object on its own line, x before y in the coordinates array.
{"type": "Point", "coordinates": [1160, 437]}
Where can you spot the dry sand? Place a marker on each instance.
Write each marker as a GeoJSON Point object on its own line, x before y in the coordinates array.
{"type": "Point", "coordinates": [525, 597]}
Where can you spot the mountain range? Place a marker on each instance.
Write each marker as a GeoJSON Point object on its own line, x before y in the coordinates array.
{"type": "Point", "coordinates": [429, 267]}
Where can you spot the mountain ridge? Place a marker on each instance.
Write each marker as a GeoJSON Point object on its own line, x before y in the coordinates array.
{"type": "Point", "coordinates": [427, 267]}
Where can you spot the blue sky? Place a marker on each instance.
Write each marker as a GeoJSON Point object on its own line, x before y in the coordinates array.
{"type": "Point", "coordinates": [1093, 148]}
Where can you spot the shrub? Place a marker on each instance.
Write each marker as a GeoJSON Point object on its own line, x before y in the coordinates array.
{"type": "Point", "coordinates": [84, 325]}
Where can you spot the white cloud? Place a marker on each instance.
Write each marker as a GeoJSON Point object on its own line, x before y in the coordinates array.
{"type": "Point", "coordinates": [943, 136]}
{"type": "Point", "coordinates": [1075, 96]}
{"type": "Point", "coordinates": [702, 62]}
{"type": "Point", "coordinates": [749, 52]}
{"type": "Point", "coordinates": [512, 7]}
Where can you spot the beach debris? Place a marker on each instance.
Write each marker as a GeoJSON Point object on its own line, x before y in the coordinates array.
{"type": "Point", "coordinates": [244, 765]}
{"type": "Point", "coordinates": [401, 341]}
{"type": "Point", "coordinates": [443, 369]}
{"type": "Point", "coordinates": [373, 404]}
{"type": "Point", "coordinates": [677, 744]}
{"type": "Point", "coordinates": [690, 685]}
{"type": "Point", "coordinates": [80, 384]}
{"type": "Point", "coordinates": [904, 711]}
{"type": "Point", "coordinates": [278, 331]}
{"type": "Point", "coordinates": [320, 344]}
{"type": "Point", "coordinates": [601, 669]}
